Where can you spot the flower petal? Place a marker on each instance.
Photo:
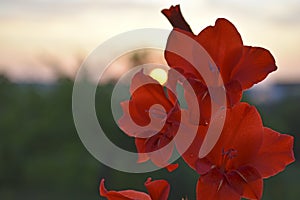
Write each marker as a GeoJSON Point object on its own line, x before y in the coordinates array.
{"type": "Point", "coordinates": [190, 156]}
{"type": "Point", "coordinates": [255, 65]}
{"type": "Point", "coordinates": [175, 17]}
{"type": "Point", "coordinates": [233, 92]}
{"type": "Point", "coordinates": [172, 167]}
{"type": "Point", "coordinates": [254, 189]}
{"type": "Point", "coordinates": [141, 149]}
{"type": "Point", "coordinates": [203, 166]}
{"type": "Point", "coordinates": [146, 92]}
{"type": "Point", "coordinates": [275, 154]}
{"type": "Point", "coordinates": [143, 98]}
{"type": "Point", "coordinates": [122, 195]}
{"type": "Point", "coordinates": [246, 181]}
{"type": "Point", "coordinates": [224, 44]}
{"type": "Point", "coordinates": [180, 52]}
{"type": "Point", "coordinates": [158, 148]}
{"type": "Point", "coordinates": [161, 155]}
{"type": "Point", "coordinates": [213, 186]}
{"type": "Point", "coordinates": [171, 85]}
{"type": "Point", "coordinates": [242, 132]}
{"type": "Point", "coordinates": [129, 126]}
{"type": "Point", "coordinates": [158, 189]}
{"type": "Point", "coordinates": [203, 103]}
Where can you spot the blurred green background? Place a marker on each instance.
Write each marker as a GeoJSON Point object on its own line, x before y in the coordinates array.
{"type": "Point", "coordinates": [42, 157]}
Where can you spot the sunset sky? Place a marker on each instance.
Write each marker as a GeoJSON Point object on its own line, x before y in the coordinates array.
{"type": "Point", "coordinates": [40, 39]}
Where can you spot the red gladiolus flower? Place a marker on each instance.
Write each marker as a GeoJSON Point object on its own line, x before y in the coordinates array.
{"type": "Point", "coordinates": [158, 190]}
{"type": "Point", "coordinates": [153, 127]}
{"type": "Point", "coordinates": [240, 66]}
{"type": "Point", "coordinates": [245, 153]}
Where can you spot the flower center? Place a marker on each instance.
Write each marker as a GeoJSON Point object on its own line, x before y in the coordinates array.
{"type": "Point", "coordinates": [227, 156]}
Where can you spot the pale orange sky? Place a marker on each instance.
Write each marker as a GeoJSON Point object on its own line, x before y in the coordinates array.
{"type": "Point", "coordinates": [42, 38]}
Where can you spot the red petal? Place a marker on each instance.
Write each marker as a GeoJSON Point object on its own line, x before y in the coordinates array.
{"type": "Point", "coordinates": [161, 155]}
{"type": "Point", "coordinates": [141, 149]}
{"type": "Point", "coordinates": [235, 181]}
{"type": "Point", "coordinates": [129, 126]}
{"type": "Point", "coordinates": [203, 103]}
{"type": "Point", "coordinates": [249, 173]}
{"type": "Point", "coordinates": [255, 64]}
{"type": "Point", "coordinates": [243, 132]}
{"type": "Point", "coordinates": [275, 154]}
{"type": "Point", "coordinates": [158, 148]}
{"type": "Point", "coordinates": [122, 195]}
{"type": "Point", "coordinates": [254, 189]}
{"type": "Point", "coordinates": [190, 156]}
{"type": "Point", "coordinates": [233, 92]}
{"type": "Point", "coordinates": [148, 103]}
{"type": "Point", "coordinates": [171, 85]}
{"type": "Point", "coordinates": [180, 50]}
{"type": "Point", "coordinates": [140, 79]}
{"type": "Point", "coordinates": [146, 92]}
{"type": "Point", "coordinates": [158, 189]}
{"type": "Point", "coordinates": [184, 54]}
{"type": "Point", "coordinates": [142, 100]}
{"type": "Point", "coordinates": [246, 181]}
{"type": "Point", "coordinates": [224, 44]}
{"type": "Point", "coordinates": [175, 17]}
{"type": "Point", "coordinates": [172, 167]}
{"type": "Point", "coordinates": [102, 189]}
{"type": "Point", "coordinates": [203, 166]}
{"type": "Point", "coordinates": [213, 186]}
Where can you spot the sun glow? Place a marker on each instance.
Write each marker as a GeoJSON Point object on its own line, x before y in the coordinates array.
{"type": "Point", "coordinates": [160, 75]}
